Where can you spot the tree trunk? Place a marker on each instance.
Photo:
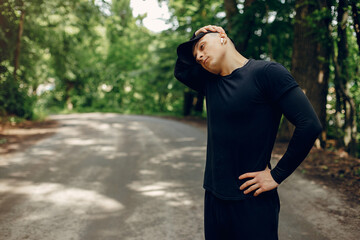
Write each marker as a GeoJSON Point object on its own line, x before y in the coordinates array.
{"type": "Point", "coordinates": [69, 86]}
{"type": "Point", "coordinates": [18, 41]}
{"type": "Point", "coordinates": [188, 102]}
{"type": "Point", "coordinates": [356, 19]}
{"type": "Point", "coordinates": [240, 25]}
{"type": "Point", "coordinates": [231, 11]}
{"type": "Point", "coordinates": [310, 65]}
{"type": "Point", "coordinates": [199, 105]}
{"type": "Point", "coordinates": [345, 104]}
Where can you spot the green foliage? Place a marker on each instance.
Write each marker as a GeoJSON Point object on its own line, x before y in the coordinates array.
{"type": "Point", "coordinates": [14, 99]}
{"type": "Point", "coordinates": [95, 56]}
{"type": "Point", "coordinates": [273, 31]}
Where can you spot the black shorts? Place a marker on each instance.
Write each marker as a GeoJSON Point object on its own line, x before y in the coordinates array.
{"type": "Point", "coordinates": [249, 219]}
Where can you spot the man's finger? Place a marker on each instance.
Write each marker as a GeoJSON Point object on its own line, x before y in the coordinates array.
{"type": "Point", "coordinates": [216, 29]}
{"type": "Point", "coordinates": [252, 188]}
{"type": "Point", "coordinates": [247, 183]}
{"type": "Point", "coordinates": [258, 192]}
{"type": "Point", "coordinates": [220, 29]}
{"type": "Point", "coordinates": [212, 28]}
{"type": "Point", "coordinates": [200, 30]}
{"type": "Point", "coordinates": [247, 175]}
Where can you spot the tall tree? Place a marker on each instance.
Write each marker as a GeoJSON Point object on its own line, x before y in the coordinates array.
{"type": "Point", "coordinates": [356, 19]}
{"type": "Point", "coordinates": [310, 59]}
{"type": "Point", "coordinates": [18, 40]}
{"type": "Point", "coordinates": [232, 12]}
{"type": "Point", "coordinates": [14, 56]}
{"type": "Point", "coordinates": [240, 25]}
{"type": "Point", "coordinates": [344, 101]}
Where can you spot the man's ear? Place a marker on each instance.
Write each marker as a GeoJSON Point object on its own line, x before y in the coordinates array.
{"type": "Point", "coordinates": [223, 38]}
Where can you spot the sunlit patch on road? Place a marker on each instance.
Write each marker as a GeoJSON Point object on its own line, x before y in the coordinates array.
{"type": "Point", "coordinates": [60, 195]}
{"type": "Point", "coordinates": [171, 192]}
{"type": "Point", "coordinates": [180, 153]}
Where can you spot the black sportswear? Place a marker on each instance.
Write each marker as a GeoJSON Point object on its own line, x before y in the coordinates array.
{"type": "Point", "coordinates": [244, 110]}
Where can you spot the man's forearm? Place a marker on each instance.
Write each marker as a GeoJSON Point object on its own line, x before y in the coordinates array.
{"type": "Point", "coordinates": [299, 146]}
{"type": "Point", "coordinates": [299, 111]}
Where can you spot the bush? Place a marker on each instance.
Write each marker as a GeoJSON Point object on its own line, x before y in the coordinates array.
{"type": "Point", "coordinates": [13, 99]}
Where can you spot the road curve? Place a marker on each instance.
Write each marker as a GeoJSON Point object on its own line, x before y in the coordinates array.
{"type": "Point", "coordinates": [130, 177]}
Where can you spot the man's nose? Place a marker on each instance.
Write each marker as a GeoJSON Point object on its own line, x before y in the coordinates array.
{"type": "Point", "coordinates": [199, 58]}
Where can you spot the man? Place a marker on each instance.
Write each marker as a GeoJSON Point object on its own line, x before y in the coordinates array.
{"type": "Point", "coordinates": [245, 99]}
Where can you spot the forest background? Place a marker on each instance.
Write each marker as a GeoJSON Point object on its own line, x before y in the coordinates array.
{"type": "Point", "coordinates": [64, 56]}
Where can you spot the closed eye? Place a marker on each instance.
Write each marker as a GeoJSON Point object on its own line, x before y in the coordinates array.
{"type": "Point", "coordinates": [201, 48]}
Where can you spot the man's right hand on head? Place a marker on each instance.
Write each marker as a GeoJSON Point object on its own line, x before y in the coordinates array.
{"type": "Point", "coordinates": [211, 28]}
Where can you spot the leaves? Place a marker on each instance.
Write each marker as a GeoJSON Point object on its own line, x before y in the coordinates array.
{"type": "Point", "coordinates": [84, 48]}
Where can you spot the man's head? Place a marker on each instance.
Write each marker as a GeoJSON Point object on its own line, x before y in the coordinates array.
{"type": "Point", "coordinates": [207, 49]}
{"type": "Point", "coordinates": [210, 50]}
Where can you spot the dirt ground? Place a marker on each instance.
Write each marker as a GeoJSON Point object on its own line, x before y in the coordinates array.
{"type": "Point", "coordinates": [334, 169]}
{"type": "Point", "coordinates": [14, 137]}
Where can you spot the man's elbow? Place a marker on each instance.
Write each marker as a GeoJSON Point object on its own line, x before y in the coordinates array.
{"type": "Point", "coordinates": [316, 128]}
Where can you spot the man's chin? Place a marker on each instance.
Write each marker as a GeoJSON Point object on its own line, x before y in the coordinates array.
{"type": "Point", "coordinates": [211, 71]}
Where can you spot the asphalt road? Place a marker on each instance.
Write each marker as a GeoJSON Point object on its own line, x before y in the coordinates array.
{"type": "Point", "coordinates": [128, 177]}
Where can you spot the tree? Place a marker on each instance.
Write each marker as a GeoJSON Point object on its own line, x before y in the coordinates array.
{"type": "Point", "coordinates": [344, 101]}
{"type": "Point", "coordinates": [356, 19]}
{"type": "Point", "coordinates": [310, 58]}
{"type": "Point", "coordinates": [14, 99]}
{"type": "Point", "coordinates": [240, 25]}
{"type": "Point", "coordinates": [18, 40]}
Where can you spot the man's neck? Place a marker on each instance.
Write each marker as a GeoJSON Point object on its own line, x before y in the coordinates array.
{"type": "Point", "coordinates": [232, 61]}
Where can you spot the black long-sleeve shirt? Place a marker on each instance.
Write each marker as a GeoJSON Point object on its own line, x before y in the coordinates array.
{"type": "Point", "coordinates": [244, 110]}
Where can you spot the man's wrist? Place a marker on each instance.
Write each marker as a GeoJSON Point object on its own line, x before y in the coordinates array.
{"type": "Point", "coordinates": [273, 175]}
